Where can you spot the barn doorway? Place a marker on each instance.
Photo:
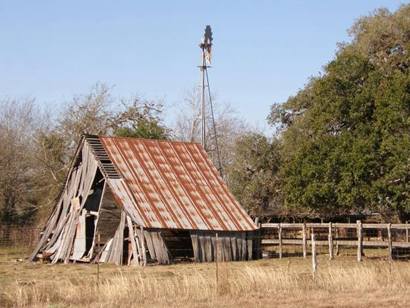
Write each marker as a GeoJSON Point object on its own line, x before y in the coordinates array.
{"type": "Point", "coordinates": [179, 244]}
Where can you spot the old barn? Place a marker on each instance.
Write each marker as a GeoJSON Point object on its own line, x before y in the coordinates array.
{"type": "Point", "coordinates": [136, 201]}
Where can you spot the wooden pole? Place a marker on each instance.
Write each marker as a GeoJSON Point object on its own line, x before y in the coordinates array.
{"type": "Point", "coordinates": [304, 240]}
{"type": "Point", "coordinates": [390, 241]}
{"type": "Point", "coordinates": [337, 242]}
{"type": "Point", "coordinates": [98, 261]}
{"type": "Point", "coordinates": [216, 262]}
{"type": "Point", "coordinates": [407, 232]}
{"type": "Point", "coordinates": [330, 241]}
{"type": "Point", "coordinates": [314, 261]}
{"type": "Point", "coordinates": [280, 241]}
{"type": "Point", "coordinates": [359, 241]}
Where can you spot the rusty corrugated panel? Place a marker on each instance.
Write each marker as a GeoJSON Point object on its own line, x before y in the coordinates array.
{"type": "Point", "coordinates": [173, 185]}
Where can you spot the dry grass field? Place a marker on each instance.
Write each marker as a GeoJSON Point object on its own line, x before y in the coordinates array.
{"type": "Point", "coordinates": [277, 283]}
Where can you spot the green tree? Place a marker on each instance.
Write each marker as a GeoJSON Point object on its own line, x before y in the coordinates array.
{"type": "Point", "coordinates": [346, 135]}
{"type": "Point", "coordinates": [253, 173]}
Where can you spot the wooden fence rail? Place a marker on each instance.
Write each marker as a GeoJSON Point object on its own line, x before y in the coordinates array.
{"type": "Point", "coordinates": [336, 225]}
{"type": "Point", "coordinates": [333, 231]}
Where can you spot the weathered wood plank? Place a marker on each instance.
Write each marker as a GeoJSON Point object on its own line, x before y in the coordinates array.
{"type": "Point", "coordinates": [390, 244]}
{"type": "Point", "coordinates": [314, 260]}
{"type": "Point", "coordinates": [280, 240]}
{"type": "Point", "coordinates": [131, 235]}
{"type": "Point", "coordinates": [330, 238]}
{"type": "Point", "coordinates": [359, 241]}
{"type": "Point", "coordinates": [304, 241]}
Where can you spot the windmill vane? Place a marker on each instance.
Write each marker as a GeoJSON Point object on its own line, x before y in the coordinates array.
{"type": "Point", "coordinates": [206, 44]}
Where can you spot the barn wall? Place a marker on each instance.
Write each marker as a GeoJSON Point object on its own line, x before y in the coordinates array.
{"type": "Point", "coordinates": [209, 246]}
{"type": "Point", "coordinates": [165, 246]}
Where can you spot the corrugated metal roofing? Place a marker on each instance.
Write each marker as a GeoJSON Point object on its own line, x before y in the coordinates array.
{"type": "Point", "coordinates": [168, 184]}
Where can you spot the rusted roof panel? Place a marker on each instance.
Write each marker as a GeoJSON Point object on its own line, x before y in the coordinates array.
{"type": "Point", "coordinates": [173, 185]}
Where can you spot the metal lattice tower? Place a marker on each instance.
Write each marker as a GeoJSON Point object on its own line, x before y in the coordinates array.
{"type": "Point", "coordinates": [206, 55]}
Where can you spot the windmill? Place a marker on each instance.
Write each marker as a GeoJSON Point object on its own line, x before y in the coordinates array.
{"type": "Point", "coordinates": [206, 56]}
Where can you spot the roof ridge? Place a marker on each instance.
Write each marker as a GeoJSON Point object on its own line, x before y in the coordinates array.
{"type": "Point", "coordinates": [147, 139]}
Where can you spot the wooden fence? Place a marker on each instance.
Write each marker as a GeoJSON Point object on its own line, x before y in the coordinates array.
{"type": "Point", "coordinates": [333, 235]}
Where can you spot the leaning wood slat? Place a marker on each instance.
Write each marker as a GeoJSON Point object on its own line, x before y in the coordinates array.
{"type": "Point", "coordinates": [132, 241]}
{"type": "Point", "coordinates": [150, 245]}
{"type": "Point", "coordinates": [142, 241]}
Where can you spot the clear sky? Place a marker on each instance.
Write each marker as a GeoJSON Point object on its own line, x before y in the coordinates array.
{"type": "Point", "coordinates": [264, 51]}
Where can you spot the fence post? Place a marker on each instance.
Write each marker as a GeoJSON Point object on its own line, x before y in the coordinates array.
{"type": "Point", "coordinates": [304, 240]}
{"type": "Point", "coordinates": [407, 231]}
{"type": "Point", "coordinates": [216, 262]}
{"type": "Point", "coordinates": [390, 241]}
{"type": "Point", "coordinates": [337, 241]}
{"type": "Point", "coordinates": [330, 241]}
{"type": "Point", "coordinates": [98, 261]}
{"type": "Point", "coordinates": [280, 241]}
{"type": "Point", "coordinates": [359, 241]}
{"type": "Point", "coordinates": [259, 242]}
{"type": "Point", "coordinates": [314, 261]}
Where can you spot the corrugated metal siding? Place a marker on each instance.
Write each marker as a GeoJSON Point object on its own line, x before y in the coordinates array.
{"type": "Point", "coordinates": [173, 185]}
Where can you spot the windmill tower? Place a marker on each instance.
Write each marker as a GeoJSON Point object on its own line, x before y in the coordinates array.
{"type": "Point", "coordinates": [206, 98]}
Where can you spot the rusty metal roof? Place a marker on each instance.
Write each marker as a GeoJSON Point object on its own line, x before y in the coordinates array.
{"type": "Point", "coordinates": [169, 184]}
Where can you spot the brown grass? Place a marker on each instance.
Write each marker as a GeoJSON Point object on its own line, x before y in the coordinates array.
{"type": "Point", "coordinates": [288, 282]}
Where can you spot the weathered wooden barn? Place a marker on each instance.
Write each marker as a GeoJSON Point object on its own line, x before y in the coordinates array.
{"type": "Point", "coordinates": [133, 201]}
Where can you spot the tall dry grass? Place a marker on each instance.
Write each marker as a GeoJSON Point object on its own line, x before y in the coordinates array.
{"type": "Point", "coordinates": [238, 284]}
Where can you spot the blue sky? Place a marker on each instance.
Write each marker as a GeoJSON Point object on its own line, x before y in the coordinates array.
{"type": "Point", "coordinates": [264, 51]}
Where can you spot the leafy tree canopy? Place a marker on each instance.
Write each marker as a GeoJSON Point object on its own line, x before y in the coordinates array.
{"type": "Point", "coordinates": [346, 135]}
{"type": "Point", "coordinates": [252, 175]}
